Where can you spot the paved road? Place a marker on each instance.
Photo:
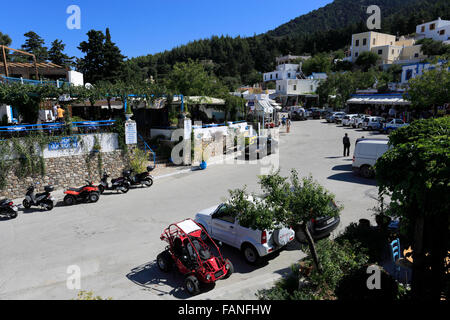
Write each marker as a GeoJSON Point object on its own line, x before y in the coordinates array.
{"type": "Point", "coordinates": [115, 241]}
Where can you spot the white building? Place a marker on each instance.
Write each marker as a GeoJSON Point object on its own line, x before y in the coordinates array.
{"type": "Point", "coordinates": [283, 72]}
{"type": "Point", "coordinates": [438, 30]}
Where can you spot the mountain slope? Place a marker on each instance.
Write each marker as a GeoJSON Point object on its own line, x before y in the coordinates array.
{"type": "Point", "coordinates": [238, 60]}
{"type": "Point", "coordinates": [338, 14]}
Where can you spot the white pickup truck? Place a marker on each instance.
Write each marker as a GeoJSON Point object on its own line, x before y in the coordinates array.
{"type": "Point", "coordinates": [254, 244]}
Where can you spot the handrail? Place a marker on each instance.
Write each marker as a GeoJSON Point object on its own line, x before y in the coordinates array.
{"type": "Point", "coordinates": [57, 83]}
{"type": "Point", "coordinates": [55, 125]}
{"type": "Point", "coordinates": [146, 146]}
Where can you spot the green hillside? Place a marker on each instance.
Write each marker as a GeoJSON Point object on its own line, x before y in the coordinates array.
{"type": "Point", "coordinates": [239, 60]}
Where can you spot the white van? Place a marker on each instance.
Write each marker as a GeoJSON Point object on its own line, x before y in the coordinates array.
{"type": "Point", "coordinates": [367, 152]}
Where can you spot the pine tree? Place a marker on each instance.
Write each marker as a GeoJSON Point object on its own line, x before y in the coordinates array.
{"type": "Point", "coordinates": [113, 59]}
{"type": "Point", "coordinates": [35, 44]}
{"type": "Point", "coordinates": [102, 60]}
{"type": "Point", "coordinates": [57, 56]}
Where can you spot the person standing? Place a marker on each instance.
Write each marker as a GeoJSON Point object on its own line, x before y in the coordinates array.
{"type": "Point", "coordinates": [346, 142]}
{"type": "Point", "coordinates": [60, 113]}
{"type": "Point", "coordinates": [288, 125]}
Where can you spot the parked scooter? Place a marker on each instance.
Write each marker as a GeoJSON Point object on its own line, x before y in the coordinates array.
{"type": "Point", "coordinates": [87, 193]}
{"type": "Point", "coordinates": [8, 209]}
{"type": "Point", "coordinates": [119, 184]}
{"type": "Point", "coordinates": [140, 179]}
{"type": "Point", "coordinates": [43, 200]}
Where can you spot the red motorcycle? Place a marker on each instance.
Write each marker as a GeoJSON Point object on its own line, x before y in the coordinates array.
{"type": "Point", "coordinates": [87, 193]}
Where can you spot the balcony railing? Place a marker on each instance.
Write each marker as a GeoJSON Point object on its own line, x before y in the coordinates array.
{"type": "Point", "coordinates": [57, 83]}
{"type": "Point", "coordinates": [81, 127]}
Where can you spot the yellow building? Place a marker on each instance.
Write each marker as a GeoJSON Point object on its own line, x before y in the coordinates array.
{"type": "Point", "coordinates": [366, 41]}
{"type": "Point", "coordinates": [386, 46]}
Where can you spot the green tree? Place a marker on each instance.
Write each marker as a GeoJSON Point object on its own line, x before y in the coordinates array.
{"type": "Point", "coordinates": [5, 40]}
{"type": "Point", "coordinates": [57, 56]}
{"type": "Point", "coordinates": [367, 60]}
{"type": "Point", "coordinates": [321, 62]}
{"type": "Point", "coordinates": [432, 47]}
{"type": "Point", "coordinates": [113, 59]}
{"type": "Point", "coordinates": [35, 44]}
{"type": "Point", "coordinates": [191, 79]}
{"type": "Point", "coordinates": [286, 202]}
{"type": "Point", "coordinates": [415, 174]}
{"type": "Point", "coordinates": [102, 60]}
{"type": "Point", "coordinates": [430, 90]}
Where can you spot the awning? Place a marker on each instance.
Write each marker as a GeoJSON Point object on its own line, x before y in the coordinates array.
{"type": "Point", "coordinates": [381, 100]}
{"type": "Point", "coordinates": [265, 106]}
{"type": "Point", "coordinates": [274, 104]}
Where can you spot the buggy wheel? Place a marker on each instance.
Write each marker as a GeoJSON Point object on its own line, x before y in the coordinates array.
{"type": "Point", "coordinates": [69, 200]}
{"type": "Point", "coordinates": [230, 269]}
{"type": "Point", "coordinates": [163, 261]}
{"type": "Point", "coordinates": [192, 285]}
{"type": "Point", "coordinates": [94, 196]}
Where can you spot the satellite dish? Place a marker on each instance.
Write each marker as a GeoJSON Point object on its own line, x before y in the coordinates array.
{"type": "Point", "coordinates": [88, 86]}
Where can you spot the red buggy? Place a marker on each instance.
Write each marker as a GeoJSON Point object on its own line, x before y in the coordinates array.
{"type": "Point", "coordinates": [192, 256]}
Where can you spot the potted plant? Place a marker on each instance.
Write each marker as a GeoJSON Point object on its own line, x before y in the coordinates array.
{"type": "Point", "coordinates": [128, 113]}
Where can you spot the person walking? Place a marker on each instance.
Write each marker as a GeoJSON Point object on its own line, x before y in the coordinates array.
{"type": "Point", "coordinates": [346, 142]}
{"type": "Point", "coordinates": [288, 125]}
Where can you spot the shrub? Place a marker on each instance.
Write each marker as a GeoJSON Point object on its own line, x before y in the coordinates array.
{"type": "Point", "coordinates": [337, 259]}
{"type": "Point", "coordinates": [138, 160]}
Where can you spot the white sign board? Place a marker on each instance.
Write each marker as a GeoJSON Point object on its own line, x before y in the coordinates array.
{"type": "Point", "coordinates": [187, 128]}
{"type": "Point", "coordinates": [130, 132]}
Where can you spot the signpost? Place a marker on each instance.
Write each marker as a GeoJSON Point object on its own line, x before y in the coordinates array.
{"type": "Point", "coordinates": [130, 132]}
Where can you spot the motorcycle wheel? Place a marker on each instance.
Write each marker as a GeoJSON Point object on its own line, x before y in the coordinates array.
{"type": "Point", "coordinates": [126, 188]}
{"type": "Point", "coordinates": [48, 205]}
{"type": "Point", "coordinates": [26, 204]}
{"type": "Point", "coordinates": [101, 188]}
{"type": "Point", "coordinates": [148, 182]}
{"type": "Point", "coordinates": [13, 215]}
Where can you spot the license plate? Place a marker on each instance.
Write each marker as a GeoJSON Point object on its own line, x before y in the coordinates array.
{"type": "Point", "coordinates": [330, 221]}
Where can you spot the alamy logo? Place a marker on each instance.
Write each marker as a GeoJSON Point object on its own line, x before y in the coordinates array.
{"type": "Point", "coordinates": [374, 280]}
{"type": "Point", "coordinates": [74, 280]}
{"type": "Point", "coordinates": [74, 20]}
{"type": "Point", "coordinates": [374, 21]}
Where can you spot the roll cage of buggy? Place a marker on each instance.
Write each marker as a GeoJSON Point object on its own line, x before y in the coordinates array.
{"type": "Point", "coordinates": [191, 254]}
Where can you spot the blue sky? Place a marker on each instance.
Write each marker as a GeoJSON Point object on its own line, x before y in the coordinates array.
{"type": "Point", "coordinates": [142, 27]}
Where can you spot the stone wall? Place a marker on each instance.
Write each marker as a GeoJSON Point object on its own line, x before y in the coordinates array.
{"type": "Point", "coordinates": [64, 172]}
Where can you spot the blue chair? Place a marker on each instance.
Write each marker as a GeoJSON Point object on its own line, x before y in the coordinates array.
{"type": "Point", "coordinates": [399, 262]}
{"type": "Point", "coordinates": [396, 254]}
